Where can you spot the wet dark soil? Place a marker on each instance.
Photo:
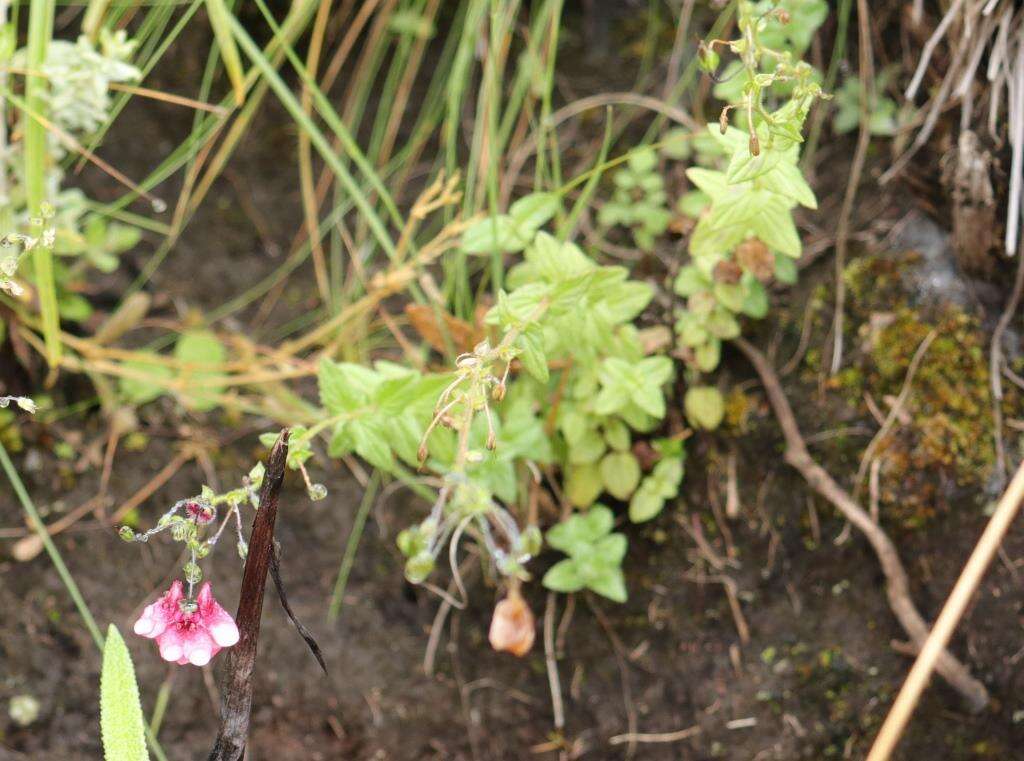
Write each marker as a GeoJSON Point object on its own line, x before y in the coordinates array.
{"type": "Point", "coordinates": [813, 681]}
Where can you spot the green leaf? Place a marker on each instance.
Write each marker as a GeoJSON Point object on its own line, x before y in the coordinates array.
{"type": "Point", "coordinates": [609, 582]}
{"type": "Point", "coordinates": [620, 473]}
{"type": "Point", "coordinates": [531, 345]}
{"type": "Point", "coordinates": [345, 386]}
{"type": "Point", "coordinates": [645, 505]}
{"type": "Point", "coordinates": [676, 143]}
{"type": "Point", "coordinates": [575, 535]}
{"type": "Point", "coordinates": [198, 349]}
{"type": "Point", "coordinates": [721, 324]}
{"type": "Point", "coordinates": [371, 443]}
{"type": "Point", "coordinates": [531, 212]}
{"type": "Point", "coordinates": [708, 355]}
{"type": "Point", "coordinates": [611, 549]}
{"type": "Point", "coordinates": [704, 406]}
{"type": "Point", "coordinates": [122, 724]}
{"type": "Point", "coordinates": [563, 576]}
{"type": "Point", "coordinates": [730, 295]}
{"type": "Point", "coordinates": [756, 302]}
{"type": "Point", "coordinates": [691, 281]}
{"type": "Point", "coordinates": [786, 271]}
{"type": "Point", "coordinates": [643, 160]}
{"type": "Point", "coordinates": [499, 233]}
{"type": "Point", "coordinates": [587, 449]}
{"type": "Point", "coordinates": [616, 433]}
{"type": "Point", "coordinates": [693, 204]}
{"type": "Point", "coordinates": [145, 389]}
{"type": "Point", "coordinates": [582, 484]}
{"type": "Point", "coordinates": [627, 301]}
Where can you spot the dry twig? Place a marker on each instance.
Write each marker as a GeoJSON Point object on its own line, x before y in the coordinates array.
{"type": "Point", "coordinates": [897, 582]}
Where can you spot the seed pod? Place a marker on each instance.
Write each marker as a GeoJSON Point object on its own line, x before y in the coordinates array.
{"type": "Point", "coordinates": [512, 628]}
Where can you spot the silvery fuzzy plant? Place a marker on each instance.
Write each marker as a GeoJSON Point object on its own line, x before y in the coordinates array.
{"type": "Point", "coordinates": [79, 76]}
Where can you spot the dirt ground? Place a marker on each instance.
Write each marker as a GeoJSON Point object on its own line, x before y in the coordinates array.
{"type": "Point", "coordinates": [813, 681]}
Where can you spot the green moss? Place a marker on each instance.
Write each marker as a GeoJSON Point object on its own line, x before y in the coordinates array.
{"type": "Point", "coordinates": [943, 444]}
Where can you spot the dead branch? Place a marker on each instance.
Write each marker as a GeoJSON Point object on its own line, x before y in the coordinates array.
{"type": "Point", "coordinates": [240, 665]}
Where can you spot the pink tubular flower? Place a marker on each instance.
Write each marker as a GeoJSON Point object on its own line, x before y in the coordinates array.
{"type": "Point", "coordinates": [185, 636]}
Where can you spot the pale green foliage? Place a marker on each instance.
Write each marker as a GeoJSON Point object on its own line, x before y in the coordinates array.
{"type": "Point", "coordinates": [122, 724]}
{"type": "Point", "coordinates": [595, 555]}
{"type": "Point", "coordinates": [78, 97]}
{"type": "Point", "coordinates": [196, 351]}
{"type": "Point", "coordinates": [639, 202]}
{"type": "Point", "coordinates": [745, 233]}
{"type": "Point", "coordinates": [883, 114]}
{"type": "Point", "coordinates": [78, 102]}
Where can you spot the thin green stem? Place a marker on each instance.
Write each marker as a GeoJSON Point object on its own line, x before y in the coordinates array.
{"type": "Point", "coordinates": [338, 595]}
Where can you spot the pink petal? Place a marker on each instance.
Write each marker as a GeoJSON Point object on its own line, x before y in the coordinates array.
{"type": "Point", "coordinates": [149, 625]}
{"type": "Point", "coordinates": [224, 632]}
{"type": "Point", "coordinates": [199, 648]}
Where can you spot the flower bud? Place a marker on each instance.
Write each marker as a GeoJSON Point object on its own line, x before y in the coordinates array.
{"type": "Point", "coordinates": [316, 492]}
{"type": "Point", "coordinates": [530, 541]}
{"type": "Point", "coordinates": [512, 627]}
{"type": "Point", "coordinates": [126, 533]}
{"type": "Point", "coordinates": [755, 145]}
{"type": "Point", "coordinates": [193, 573]}
{"type": "Point", "coordinates": [708, 59]}
{"type": "Point", "coordinates": [418, 567]}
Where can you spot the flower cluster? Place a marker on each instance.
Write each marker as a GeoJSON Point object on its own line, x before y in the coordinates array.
{"type": "Point", "coordinates": [188, 631]}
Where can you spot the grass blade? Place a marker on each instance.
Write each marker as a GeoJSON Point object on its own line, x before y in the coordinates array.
{"type": "Point", "coordinates": [220, 21]}
{"type": "Point", "coordinates": [40, 28]}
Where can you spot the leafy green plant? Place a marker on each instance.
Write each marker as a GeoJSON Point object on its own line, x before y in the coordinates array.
{"type": "Point", "coordinates": [884, 116]}
{"type": "Point", "coordinates": [595, 555]}
{"type": "Point", "coordinates": [122, 724]}
{"type": "Point", "coordinates": [745, 235]}
{"type": "Point", "coordinates": [639, 201]}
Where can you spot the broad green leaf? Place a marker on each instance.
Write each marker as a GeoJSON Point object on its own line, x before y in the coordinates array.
{"type": "Point", "coordinates": [576, 534]}
{"type": "Point", "coordinates": [691, 281]}
{"type": "Point", "coordinates": [620, 473]}
{"type": "Point", "coordinates": [785, 269]}
{"type": "Point", "coordinates": [708, 355]}
{"type": "Point", "coordinates": [371, 443]}
{"type": "Point", "coordinates": [498, 233]}
{"type": "Point", "coordinates": [148, 386]}
{"type": "Point", "coordinates": [531, 345]}
{"type": "Point", "coordinates": [645, 505]}
{"type": "Point", "coordinates": [198, 350]}
{"type": "Point", "coordinates": [704, 406]}
{"type": "Point", "coordinates": [643, 160]}
{"type": "Point", "coordinates": [531, 212]}
{"type": "Point", "coordinates": [122, 724]}
{"type": "Point", "coordinates": [676, 143]}
{"type": "Point", "coordinates": [345, 386]}
{"type": "Point", "coordinates": [610, 583]}
{"type": "Point", "coordinates": [611, 549]}
{"type": "Point", "coordinates": [755, 304]}
{"type": "Point", "coordinates": [563, 576]}
{"type": "Point", "coordinates": [582, 484]}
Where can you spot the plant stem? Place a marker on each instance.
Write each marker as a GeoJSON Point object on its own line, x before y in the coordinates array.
{"type": "Point", "coordinates": [240, 665]}
{"type": "Point", "coordinates": [337, 596]}
{"type": "Point", "coordinates": [40, 28]}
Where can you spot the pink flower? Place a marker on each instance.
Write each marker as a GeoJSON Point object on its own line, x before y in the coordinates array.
{"type": "Point", "coordinates": [188, 636]}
